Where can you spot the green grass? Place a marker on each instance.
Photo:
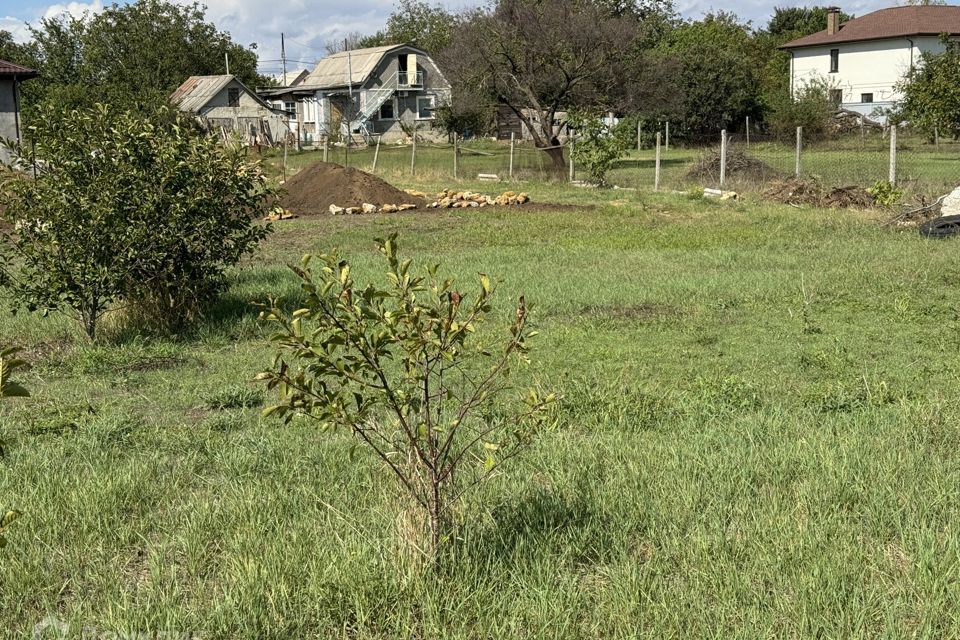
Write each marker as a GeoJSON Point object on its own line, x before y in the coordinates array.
{"type": "Point", "coordinates": [758, 438]}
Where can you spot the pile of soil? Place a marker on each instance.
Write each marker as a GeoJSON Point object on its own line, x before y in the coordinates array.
{"type": "Point", "coordinates": [739, 165]}
{"type": "Point", "coordinates": [802, 192]}
{"type": "Point", "coordinates": [315, 188]}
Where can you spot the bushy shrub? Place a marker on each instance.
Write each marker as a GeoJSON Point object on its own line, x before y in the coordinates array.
{"type": "Point", "coordinates": [596, 147]}
{"type": "Point", "coordinates": [144, 209]}
{"type": "Point", "coordinates": [404, 369]}
{"type": "Point", "coordinates": [809, 108]}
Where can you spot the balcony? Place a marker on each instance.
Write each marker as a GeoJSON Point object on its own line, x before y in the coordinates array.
{"type": "Point", "coordinates": [406, 82]}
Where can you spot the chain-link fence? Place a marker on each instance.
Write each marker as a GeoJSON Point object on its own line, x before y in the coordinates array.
{"type": "Point", "coordinates": [859, 156]}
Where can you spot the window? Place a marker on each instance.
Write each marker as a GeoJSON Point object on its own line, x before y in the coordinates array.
{"type": "Point", "coordinates": [388, 111]}
{"type": "Point", "coordinates": [291, 109]}
{"type": "Point", "coordinates": [866, 97]}
{"type": "Point", "coordinates": [834, 60]}
{"type": "Point", "coordinates": [233, 97]}
{"type": "Point", "coordinates": [425, 108]}
{"type": "Point", "coordinates": [836, 96]}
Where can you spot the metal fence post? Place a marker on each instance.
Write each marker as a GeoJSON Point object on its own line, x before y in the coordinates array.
{"type": "Point", "coordinates": [723, 158]}
{"type": "Point", "coordinates": [413, 155]}
{"type": "Point", "coordinates": [667, 140]}
{"type": "Point", "coordinates": [513, 142]}
{"type": "Point", "coordinates": [799, 150]}
{"type": "Point", "coordinates": [656, 171]}
{"type": "Point", "coordinates": [748, 132]}
{"type": "Point", "coordinates": [326, 147]}
{"type": "Point", "coordinates": [893, 154]}
{"type": "Point", "coordinates": [639, 124]}
{"type": "Point", "coordinates": [376, 154]}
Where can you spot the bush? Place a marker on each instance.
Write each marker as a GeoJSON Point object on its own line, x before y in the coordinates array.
{"type": "Point", "coordinates": [144, 209]}
{"type": "Point", "coordinates": [404, 370]}
{"type": "Point", "coordinates": [596, 147]}
{"type": "Point", "coordinates": [810, 108]}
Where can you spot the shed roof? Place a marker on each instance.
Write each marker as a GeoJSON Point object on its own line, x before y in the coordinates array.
{"type": "Point", "coordinates": [896, 22]}
{"type": "Point", "coordinates": [349, 67]}
{"type": "Point", "coordinates": [10, 69]}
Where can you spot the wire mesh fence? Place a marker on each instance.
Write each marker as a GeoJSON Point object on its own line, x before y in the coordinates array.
{"type": "Point", "coordinates": [924, 166]}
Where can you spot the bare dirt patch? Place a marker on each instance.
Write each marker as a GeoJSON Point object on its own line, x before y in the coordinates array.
{"type": "Point", "coordinates": [315, 188]}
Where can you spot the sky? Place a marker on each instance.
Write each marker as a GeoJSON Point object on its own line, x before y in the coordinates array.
{"type": "Point", "coordinates": [309, 24]}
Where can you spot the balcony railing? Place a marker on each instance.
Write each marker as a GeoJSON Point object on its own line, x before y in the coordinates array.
{"type": "Point", "coordinates": [407, 82]}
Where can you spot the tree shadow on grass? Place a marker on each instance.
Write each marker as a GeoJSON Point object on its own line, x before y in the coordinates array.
{"type": "Point", "coordinates": [545, 522]}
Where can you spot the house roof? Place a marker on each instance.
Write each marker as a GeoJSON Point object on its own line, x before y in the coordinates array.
{"type": "Point", "coordinates": [349, 67]}
{"type": "Point", "coordinates": [194, 94]}
{"type": "Point", "coordinates": [896, 22]}
{"type": "Point", "coordinates": [10, 69]}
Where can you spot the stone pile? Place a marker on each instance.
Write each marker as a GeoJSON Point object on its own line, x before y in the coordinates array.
{"type": "Point", "coordinates": [449, 199]}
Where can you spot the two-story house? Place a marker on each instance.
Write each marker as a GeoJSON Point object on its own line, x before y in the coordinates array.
{"type": "Point", "coordinates": [381, 91]}
{"type": "Point", "coordinates": [864, 59]}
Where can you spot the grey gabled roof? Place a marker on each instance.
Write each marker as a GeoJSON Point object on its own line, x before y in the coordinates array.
{"type": "Point", "coordinates": [350, 67]}
{"type": "Point", "coordinates": [194, 94]}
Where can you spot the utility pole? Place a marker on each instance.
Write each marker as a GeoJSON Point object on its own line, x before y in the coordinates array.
{"type": "Point", "coordinates": [346, 47]}
{"type": "Point", "coordinates": [283, 58]}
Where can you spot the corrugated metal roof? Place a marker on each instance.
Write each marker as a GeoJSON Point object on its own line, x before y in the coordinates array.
{"type": "Point", "coordinates": [10, 69]}
{"type": "Point", "coordinates": [338, 70]}
{"type": "Point", "coordinates": [896, 22]}
{"type": "Point", "coordinates": [197, 91]}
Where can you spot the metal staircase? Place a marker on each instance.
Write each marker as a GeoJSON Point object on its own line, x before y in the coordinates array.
{"type": "Point", "coordinates": [374, 100]}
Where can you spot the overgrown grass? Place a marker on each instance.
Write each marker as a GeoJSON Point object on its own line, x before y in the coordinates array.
{"type": "Point", "coordinates": [758, 438]}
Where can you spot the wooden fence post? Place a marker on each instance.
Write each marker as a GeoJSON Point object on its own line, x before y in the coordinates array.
{"type": "Point", "coordinates": [513, 142]}
{"type": "Point", "coordinates": [572, 171]}
{"type": "Point", "coordinates": [748, 132]}
{"type": "Point", "coordinates": [667, 145]}
{"type": "Point", "coordinates": [639, 123]}
{"type": "Point", "coordinates": [656, 170]}
{"type": "Point", "coordinates": [456, 157]}
{"type": "Point", "coordinates": [376, 154]}
{"type": "Point", "coordinates": [326, 147]}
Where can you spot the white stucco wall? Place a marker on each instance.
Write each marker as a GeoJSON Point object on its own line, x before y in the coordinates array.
{"type": "Point", "coordinates": [865, 67]}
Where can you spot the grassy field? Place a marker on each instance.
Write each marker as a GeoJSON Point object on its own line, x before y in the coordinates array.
{"type": "Point", "coordinates": [759, 437]}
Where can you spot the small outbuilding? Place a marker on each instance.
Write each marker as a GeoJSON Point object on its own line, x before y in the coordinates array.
{"type": "Point", "coordinates": [11, 75]}
{"type": "Point", "coordinates": [224, 104]}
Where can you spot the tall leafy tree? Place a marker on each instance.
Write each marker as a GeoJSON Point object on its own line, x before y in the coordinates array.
{"type": "Point", "coordinates": [540, 59]}
{"type": "Point", "coordinates": [427, 26]}
{"type": "Point", "coordinates": [931, 92]}
{"type": "Point", "coordinates": [134, 55]}
{"type": "Point", "coordinates": [718, 73]}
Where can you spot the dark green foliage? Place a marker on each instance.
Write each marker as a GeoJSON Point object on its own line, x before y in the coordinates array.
{"type": "Point", "coordinates": [429, 27]}
{"type": "Point", "coordinates": [131, 55]}
{"type": "Point", "coordinates": [405, 370]}
{"type": "Point", "coordinates": [931, 92]}
{"type": "Point", "coordinates": [718, 74]}
{"type": "Point", "coordinates": [132, 208]}
{"type": "Point", "coordinates": [597, 148]}
{"type": "Point", "coordinates": [810, 108]}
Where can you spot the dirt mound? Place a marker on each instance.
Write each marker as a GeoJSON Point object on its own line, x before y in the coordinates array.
{"type": "Point", "coordinates": [739, 165]}
{"type": "Point", "coordinates": [315, 188]}
{"type": "Point", "coordinates": [801, 192]}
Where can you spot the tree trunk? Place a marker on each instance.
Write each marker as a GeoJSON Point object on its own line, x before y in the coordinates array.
{"type": "Point", "coordinates": [555, 151]}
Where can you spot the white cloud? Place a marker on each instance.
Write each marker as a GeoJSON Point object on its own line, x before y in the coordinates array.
{"type": "Point", "coordinates": [76, 9]}
{"type": "Point", "coordinates": [16, 27]}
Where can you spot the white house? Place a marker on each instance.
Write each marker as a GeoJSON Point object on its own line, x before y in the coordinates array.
{"type": "Point", "coordinates": [862, 60]}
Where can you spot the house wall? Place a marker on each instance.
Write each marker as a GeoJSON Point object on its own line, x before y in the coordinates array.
{"type": "Point", "coordinates": [219, 113]}
{"type": "Point", "coordinates": [8, 117]}
{"type": "Point", "coordinates": [864, 67]}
